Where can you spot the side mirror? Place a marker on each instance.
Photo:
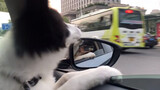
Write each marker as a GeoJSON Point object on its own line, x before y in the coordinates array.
{"type": "Point", "coordinates": [90, 53]}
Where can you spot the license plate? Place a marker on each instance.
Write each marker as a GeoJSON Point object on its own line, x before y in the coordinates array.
{"type": "Point", "coordinates": [131, 35]}
{"type": "Point", "coordinates": [131, 39]}
{"type": "Point", "coordinates": [129, 44]}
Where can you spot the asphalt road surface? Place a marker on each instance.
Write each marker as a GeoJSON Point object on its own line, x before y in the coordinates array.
{"type": "Point", "coordinates": [139, 61]}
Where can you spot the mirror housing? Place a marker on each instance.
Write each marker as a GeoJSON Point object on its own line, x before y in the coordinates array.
{"type": "Point", "coordinates": [113, 56]}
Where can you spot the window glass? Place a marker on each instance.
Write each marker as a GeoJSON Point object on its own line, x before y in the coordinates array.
{"type": "Point", "coordinates": [95, 22]}
{"type": "Point", "coordinates": [130, 19]}
{"type": "Point", "coordinates": [129, 15]}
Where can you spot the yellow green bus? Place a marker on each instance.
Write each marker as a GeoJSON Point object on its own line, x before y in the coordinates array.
{"type": "Point", "coordinates": [121, 25]}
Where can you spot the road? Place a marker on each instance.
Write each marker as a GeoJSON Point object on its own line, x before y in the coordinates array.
{"type": "Point", "coordinates": [139, 61]}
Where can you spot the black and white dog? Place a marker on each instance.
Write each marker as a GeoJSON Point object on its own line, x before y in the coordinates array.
{"type": "Point", "coordinates": [32, 49]}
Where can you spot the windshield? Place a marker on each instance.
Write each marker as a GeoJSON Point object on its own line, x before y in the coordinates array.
{"type": "Point", "coordinates": [130, 19]}
{"type": "Point", "coordinates": [140, 54]}
{"type": "Point", "coordinates": [129, 16]}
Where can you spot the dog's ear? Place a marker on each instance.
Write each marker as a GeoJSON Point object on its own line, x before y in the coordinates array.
{"type": "Point", "coordinates": [38, 29]}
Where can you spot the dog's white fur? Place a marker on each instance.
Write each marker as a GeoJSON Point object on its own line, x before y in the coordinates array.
{"type": "Point", "coordinates": [26, 69]}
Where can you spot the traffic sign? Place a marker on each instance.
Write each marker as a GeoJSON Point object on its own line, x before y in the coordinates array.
{"type": "Point", "coordinates": [6, 26]}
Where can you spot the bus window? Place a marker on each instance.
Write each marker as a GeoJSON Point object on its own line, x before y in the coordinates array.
{"type": "Point", "coordinates": [97, 22]}
{"type": "Point", "coordinates": [111, 16]}
{"type": "Point", "coordinates": [130, 19]}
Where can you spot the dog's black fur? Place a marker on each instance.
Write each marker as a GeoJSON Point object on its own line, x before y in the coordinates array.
{"type": "Point", "coordinates": [39, 29]}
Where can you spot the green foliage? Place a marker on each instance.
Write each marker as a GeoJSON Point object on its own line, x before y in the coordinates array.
{"type": "Point", "coordinates": [3, 32]}
{"type": "Point", "coordinates": [1, 0]}
{"type": "Point", "coordinates": [90, 5]}
{"type": "Point", "coordinates": [100, 4]}
{"type": "Point", "coordinates": [9, 21]}
{"type": "Point", "coordinates": [3, 6]}
{"type": "Point", "coordinates": [66, 19]}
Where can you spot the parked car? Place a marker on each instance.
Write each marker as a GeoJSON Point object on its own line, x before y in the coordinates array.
{"type": "Point", "coordinates": [150, 41]}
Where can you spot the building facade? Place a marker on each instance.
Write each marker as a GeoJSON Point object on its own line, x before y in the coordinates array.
{"type": "Point", "coordinates": [76, 8]}
{"type": "Point", "coordinates": [155, 11]}
{"type": "Point", "coordinates": [69, 5]}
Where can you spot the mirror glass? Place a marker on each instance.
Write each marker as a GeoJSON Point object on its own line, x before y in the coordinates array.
{"type": "Point", "coordinates": [90, 53]}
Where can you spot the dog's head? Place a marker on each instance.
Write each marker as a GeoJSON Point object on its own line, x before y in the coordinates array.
{"type": "Point", "coordinates": [41, 29]}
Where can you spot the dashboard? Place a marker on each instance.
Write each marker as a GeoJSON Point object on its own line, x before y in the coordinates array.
{"type": "Point", "coordinates": [111, 87]}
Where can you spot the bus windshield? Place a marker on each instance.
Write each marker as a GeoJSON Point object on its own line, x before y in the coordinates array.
{"type": "Point", "coordinates": [130, 18]}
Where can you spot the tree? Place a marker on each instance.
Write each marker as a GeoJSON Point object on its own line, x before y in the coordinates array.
{"type": "Point", "coordinates": [3, 32]}
{"type": "Point", "coordinates": [66, 19]}
{"type": "Point", "coordinates": [1, 0]}
{"type": "Point", "coordinates": [3, 6]}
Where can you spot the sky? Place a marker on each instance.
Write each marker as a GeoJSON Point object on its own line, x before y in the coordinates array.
{"type": "Point", "coordinates": [4, 18]}
{"type": "Point", "coordinates": [149, 5]}
{"type": "Point", "coordinates": [56, 4]}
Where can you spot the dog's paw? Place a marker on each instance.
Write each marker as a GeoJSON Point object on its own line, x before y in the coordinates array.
{"type": "Point", "coordinates": [108, 71]}
{"type": "Point", "coordinates": [88, 55]}
{"type": "Point", "coordinates": [87, 79]}
{"type": "Point", "coordinates": [105, 73]}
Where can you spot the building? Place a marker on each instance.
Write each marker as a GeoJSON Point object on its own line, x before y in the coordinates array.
{"type": "Point", "coordinates": [76, 8]}
{"type": "Point", "coordinates": [155, 11]}
{"type": "Point", "coordinates": [151, 21]}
